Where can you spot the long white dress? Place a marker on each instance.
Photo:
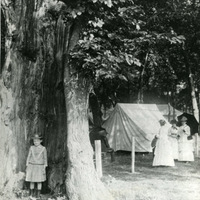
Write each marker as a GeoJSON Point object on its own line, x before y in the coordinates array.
{"type": "Point", "coordinates": [173, 133]}
{"type": "Point", "coordinates": [185, 145]}
{"type": "Point", "coordinates": [163, 151]}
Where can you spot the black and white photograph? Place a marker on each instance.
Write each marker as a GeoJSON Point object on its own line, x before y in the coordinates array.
{"type": "Point", "coordinates": [100, 100]}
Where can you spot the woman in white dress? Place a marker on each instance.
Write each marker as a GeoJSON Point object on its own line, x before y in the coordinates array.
{"type": "Point", "coordinates": [185, 145]}
{"type": "Point", "coordinates": [173, 138]}
{"type": "Point", "coordinates": [163, 151]}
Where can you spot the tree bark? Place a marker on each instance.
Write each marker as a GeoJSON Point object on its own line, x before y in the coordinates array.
{"type": "Point", "coordinates": [194, 99]}
{"type": "Point", "coordinates": [14, 123]}
{"type": "Point", "coordinates": [2, 40]}
{"type": "Point", "coordinates": [31, 92]}
{"type": "Point", "coordinates": [82, 182]}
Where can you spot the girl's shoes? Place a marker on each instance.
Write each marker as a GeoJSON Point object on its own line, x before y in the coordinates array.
{"type": "Point", "coordinates": [38, 194]}
{"type": "Point", "coordinates": [31, 192]}
{"type": "Point", "coordinates": [34, 194]}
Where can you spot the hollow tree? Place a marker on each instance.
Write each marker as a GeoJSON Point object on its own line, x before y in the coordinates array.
{"type": "Point", "coordinates": [40, 92]}
{"type": "Point", "coordinates": [31, 96]}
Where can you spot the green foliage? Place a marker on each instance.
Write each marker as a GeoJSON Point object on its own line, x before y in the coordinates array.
{"type": "Point", "coordinates": [182, 20]}
{"type": "Point", "coordinates": [103, 52]}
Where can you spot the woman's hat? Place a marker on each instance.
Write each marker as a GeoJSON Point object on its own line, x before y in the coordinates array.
{"type": "Point", "coordinates": [183, 119]}
{"type": "Point", "coordinates": [36, 136]}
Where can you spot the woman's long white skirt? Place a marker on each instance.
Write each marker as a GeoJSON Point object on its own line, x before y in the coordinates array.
{"type": "Point", "coordinates": [186, 151]}
{"type": "Point", "coordinates": [163, 153]}
{"type": "Point", "coordinates": [174, 145]}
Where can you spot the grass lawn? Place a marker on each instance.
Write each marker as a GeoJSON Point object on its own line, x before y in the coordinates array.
{"type": "Point", "coordinates": [181, 182]}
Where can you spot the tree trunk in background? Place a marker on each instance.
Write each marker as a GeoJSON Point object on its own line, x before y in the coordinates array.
{"type": "Point", "coordinates": [96, 111]}
{"type": "Point", "coordinates": [193, 96]}
{"type": "Point", "coordinates": [192, 86]}
{"type": "Point", "coordinates": [141, 89]}
{"type": "Point", "coordinates": [174, 102]}
{"type": "Point", "coordinates": [168, 103]}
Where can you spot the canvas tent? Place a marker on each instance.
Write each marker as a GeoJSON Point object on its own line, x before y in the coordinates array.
{"type": "Point", "coordinates": [168, 111]}
{"type": "Point", "coordinates": [133, 120]}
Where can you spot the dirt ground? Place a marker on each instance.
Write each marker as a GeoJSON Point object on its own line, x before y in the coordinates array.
{"type": "Point", "coordinates": [181, 182]}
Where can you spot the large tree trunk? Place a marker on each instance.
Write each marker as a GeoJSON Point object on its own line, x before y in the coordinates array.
{"type": "Point", "coordinates": [82, 181]}
{"type": "Point", "coordinates": [18, 97]}
{"type": "Point", "coordinates": [31, 92]}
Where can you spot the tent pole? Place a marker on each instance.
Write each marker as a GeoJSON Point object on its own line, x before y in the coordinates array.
{"type": "Point", "coordinates": [174, 104]}
{"type": "Point", "coordinates": [133, 155]}
{"type": "Point", "coordinates": [98, 158]}
{"type": "Point", "coordinates": [168, 102]}
{"type": "Point", "coordinates": [169, 112]}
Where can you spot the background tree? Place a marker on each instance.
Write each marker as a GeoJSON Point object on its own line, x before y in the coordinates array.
{"type": "Point", "coordinates": [168, 31]}
{"type": "Point", "coordinates": [132, 58]}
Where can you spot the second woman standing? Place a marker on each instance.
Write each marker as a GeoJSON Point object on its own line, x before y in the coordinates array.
{"type": "Point", "coordinates": [173, 138]}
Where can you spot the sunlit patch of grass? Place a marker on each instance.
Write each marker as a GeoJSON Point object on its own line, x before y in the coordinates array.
{"type": "Point", "coordinates": [151, 183]}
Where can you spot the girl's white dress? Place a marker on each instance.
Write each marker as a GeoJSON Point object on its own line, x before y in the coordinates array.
{"type": "Point", "coordinates": [163, 151]}
{"type": "Point", "coordinates": [36, 164]}
{"type": "Point", "coordinates": [173, 134]}
{"type": "Point", "coordinates": [185, 145]}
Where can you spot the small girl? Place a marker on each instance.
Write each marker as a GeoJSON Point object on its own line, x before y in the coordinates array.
{"type": "Point", "coordinates": [36, 165]}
